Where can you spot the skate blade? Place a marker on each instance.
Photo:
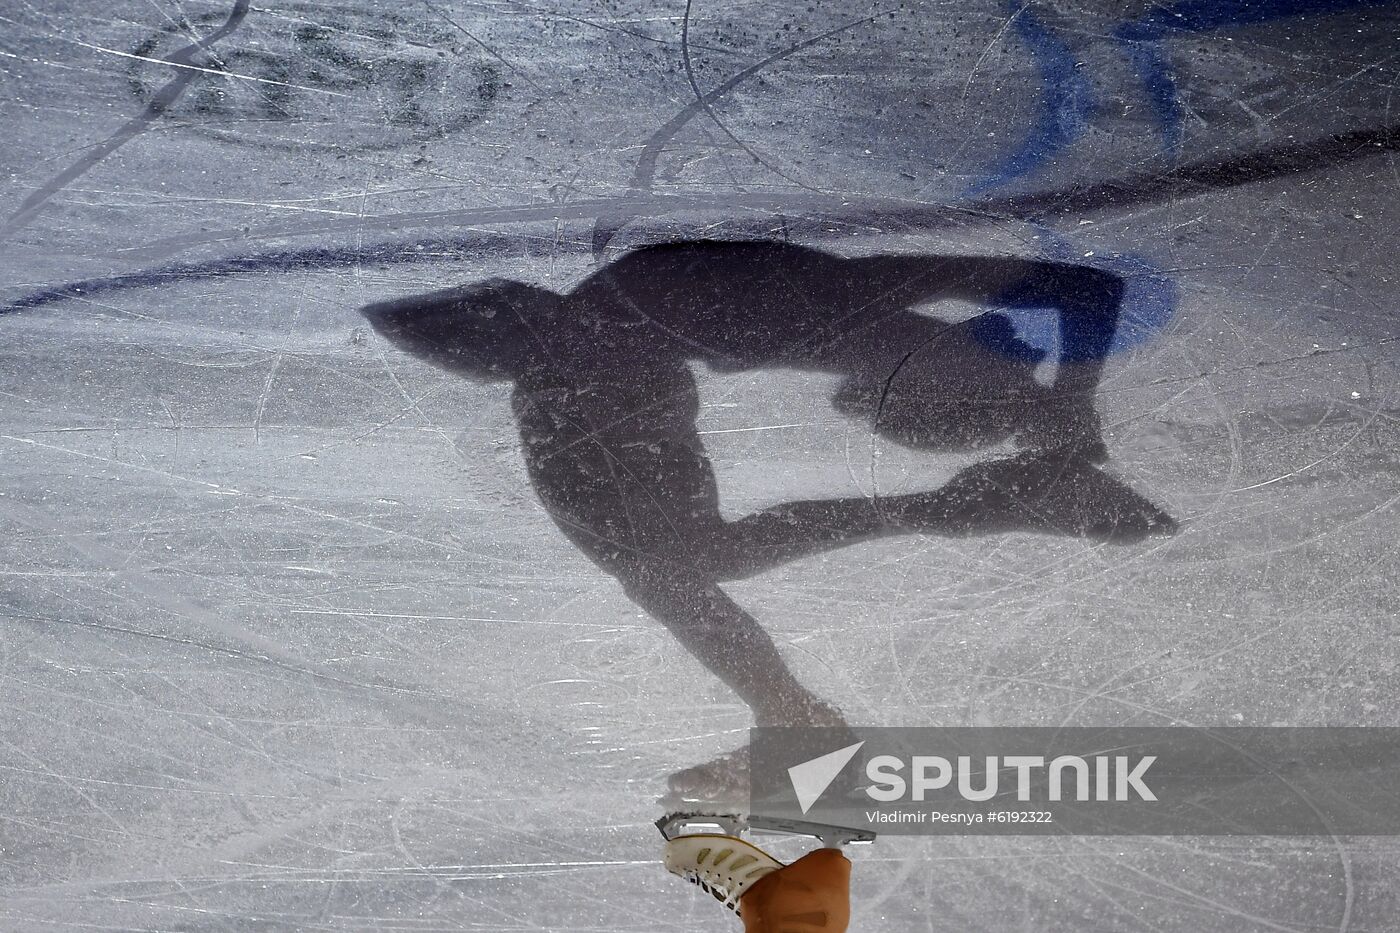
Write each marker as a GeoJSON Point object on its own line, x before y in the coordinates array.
{"type": "Point", "coordinates": [675, 825]}
{"type": "Point", "coordinates": [690, 823]}
{"type": "Point", "coordinates": [830, 835]}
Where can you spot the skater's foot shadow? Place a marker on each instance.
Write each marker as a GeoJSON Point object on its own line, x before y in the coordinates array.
{"type": "Point", "coordinates": [1055, 492]}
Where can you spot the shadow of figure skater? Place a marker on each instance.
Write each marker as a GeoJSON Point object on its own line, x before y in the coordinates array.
{"type": "Point", "coordinates": [607, 404]}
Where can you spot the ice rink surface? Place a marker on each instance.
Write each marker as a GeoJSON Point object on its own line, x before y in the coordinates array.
{"type": "Point", "coordinates": [289, 641]}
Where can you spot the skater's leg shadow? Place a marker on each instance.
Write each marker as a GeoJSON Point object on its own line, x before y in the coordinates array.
{"type": "Point", "coordinates": [1054, 493]}
{"type": "Point", "coordinates": [1045, 492]}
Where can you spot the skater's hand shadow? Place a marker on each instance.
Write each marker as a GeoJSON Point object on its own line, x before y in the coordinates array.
{"type": "Point", "coordinates": [607, 404]}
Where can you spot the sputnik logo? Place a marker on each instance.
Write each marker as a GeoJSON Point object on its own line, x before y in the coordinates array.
{"type": "Point", "coordinates": [811, 778]}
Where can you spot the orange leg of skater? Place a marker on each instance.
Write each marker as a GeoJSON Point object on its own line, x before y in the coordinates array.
{"type": "Point", "coordinates": [812, 895]}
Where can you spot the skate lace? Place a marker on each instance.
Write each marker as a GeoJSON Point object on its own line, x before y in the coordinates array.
{"type": "Point", "coordinates": [726, 883]}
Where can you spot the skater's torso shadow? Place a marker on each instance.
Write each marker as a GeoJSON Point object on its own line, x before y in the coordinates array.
{"type": "Point", "coordinates": [607, 407]}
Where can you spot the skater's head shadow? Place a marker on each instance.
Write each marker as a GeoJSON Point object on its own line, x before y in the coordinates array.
{"type": "Point", "coordinates": [483, 332]}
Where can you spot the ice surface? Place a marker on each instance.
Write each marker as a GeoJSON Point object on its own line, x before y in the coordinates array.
{"type": "Point", "coordinates": [290, 640]}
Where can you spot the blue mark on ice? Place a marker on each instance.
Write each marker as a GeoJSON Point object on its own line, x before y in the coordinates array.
{"type": "Point", "coordinates": [1067, 102]}
{"type": "Point", "coordinates": [1145, 38]}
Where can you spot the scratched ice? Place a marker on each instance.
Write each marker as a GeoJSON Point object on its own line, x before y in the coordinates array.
{"type": "Point", "coordinates": [300, 632]}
